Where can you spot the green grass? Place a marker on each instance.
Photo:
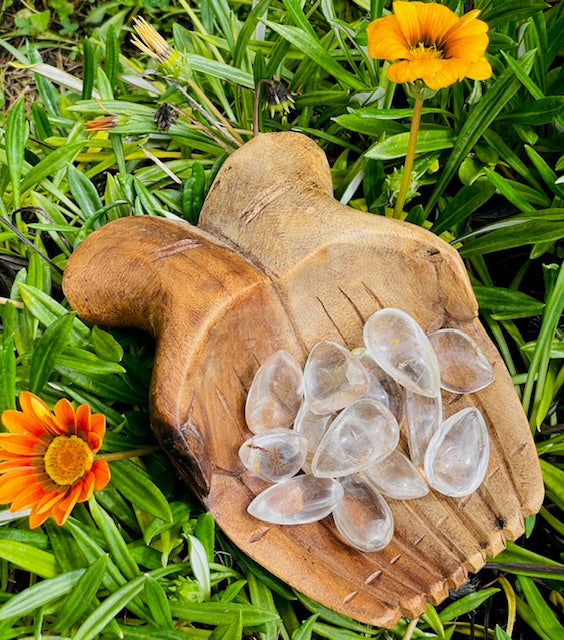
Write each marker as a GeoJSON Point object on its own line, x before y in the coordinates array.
{"type": "Point", "coordinates": [142, 560]}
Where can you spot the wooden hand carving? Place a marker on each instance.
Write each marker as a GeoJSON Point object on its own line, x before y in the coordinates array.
{"type": "Point", "coordinates": [277, 263]}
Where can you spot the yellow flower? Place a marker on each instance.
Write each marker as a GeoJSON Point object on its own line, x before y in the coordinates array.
{"type": "Point", "coordinates": [430, 43]}
{"type": "Point", "coordinates": [48, 458]}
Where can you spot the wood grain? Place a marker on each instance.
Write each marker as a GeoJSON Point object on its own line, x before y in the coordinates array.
{"type": "Point", "coordinates": [278, 263]}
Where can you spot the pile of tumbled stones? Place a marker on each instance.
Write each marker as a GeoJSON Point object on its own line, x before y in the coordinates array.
{"type": "Point", "coordinates": [339, 421]}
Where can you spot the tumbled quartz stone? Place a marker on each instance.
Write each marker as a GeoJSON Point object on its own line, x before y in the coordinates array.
{"type": "Point", "coordinates": [457, 456]}
{"type": "Point", "coordinates": [462, 365]}
{"type": "Point", "coordinates": [299, 500]}
{"type": "Point", "coordinates": [274, 455]}
{"type": "Point", "coordinates": [396, 477]}
{"type": "Point", "coordinates": [398, 344]}
{"type": "Point", "coordinates": [423, 417]}
{"type": "Point", "coordinates": [333, 378]}
{"type": "Point", "coordinates": [360, 435]}
{"type": "Point", "coordinates": [362, 517]}
{"type": "Point", "coordinates": [313, 427]}
{"type": "Point", "coordinates": [275, 394]}
{"type": "Point", "coordinates": [381, 387]}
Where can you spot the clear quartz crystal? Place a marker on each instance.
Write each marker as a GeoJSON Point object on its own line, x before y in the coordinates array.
{"type": "Point", "coordinates": [333, 378]}
{"type": "Point", "coordinates": [424, 415]}
{"type": "Point", "coordinates": [382, 388]}
{"type": "Point", "coordinates": [363, 517]}
{"type": "Point", "coordinates": [360, 435]}
{"type": "Point", "coordinates": [313, 427]}
{"type": "Point", "coordinates": [457, 457]}
{"type": "Point", "coordinates": [274, 455]}
{"type": "Point", "coordinates": [299, 500]}
{"type": "Point", "coordinates": [275, 394]}
{"type": "Point", "coordinates": [396, 477]}
{"type": "Point", "coordinates": [398, 344]}
{"type": "Point", "coordinates": [463, 366]}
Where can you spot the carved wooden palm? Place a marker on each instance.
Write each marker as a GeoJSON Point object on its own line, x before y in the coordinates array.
{"type": "Point", "coordinates": [277, 263]}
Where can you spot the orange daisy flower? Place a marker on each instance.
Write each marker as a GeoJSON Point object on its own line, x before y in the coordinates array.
{"type": "Point", "coordinates": [48, 460]}
{"type": "Point", "coordinates": [430, 43]}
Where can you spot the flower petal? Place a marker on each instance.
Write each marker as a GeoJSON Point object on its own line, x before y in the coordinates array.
{"type": "Point", "coordinates": [12, 484]}
{"type": "Point", "coordinates": [407, 15]}
{"type": "Point", "coordinates": [87, 486]}
{"type": "Point", "coordinates": [101, 471]}
{"type": "Point", "coordinates": [22, 445]}
{"type": "Point", "coordinates": [385, 39]}
{"type": "Point", "coordinates": [28, 497]}
{"type": "Point", "coordinates": [98, 424]}
{"type": "Point", "coordinates": [19, 422]}
{"type": "Point", "coordinates": [83, 418]}
{"type": "Point", "coordinates": [30, 403]}
{"type": "Point", "coordinates": [63, 509]}
{"type": "Point", "coordinates": [36, 519]}
{"type": "Point", "coordinates": [16, 463]}
{"type": "Point", "coordinates": [49, 500]}
{"type": "Point", "coordinates": [481, 70]}
{"type": "Point", "coordinates": [450, 72]}
{"type": "Point", "coordinates": [64, 412]}
{"type": "Point", "coordinates": [435, 20]}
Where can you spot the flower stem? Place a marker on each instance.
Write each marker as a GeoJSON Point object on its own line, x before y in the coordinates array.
{"type": "Point", "coordinates": [122, 455]}
{"type": "Point", "coordinates": [409, 157]}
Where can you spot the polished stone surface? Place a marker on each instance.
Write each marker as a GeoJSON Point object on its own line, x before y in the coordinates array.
{"type": "Point", "coordinates": [299, 500]}
{"type": "Point", "coordinates": [333, 378]}
{"type": "Point", "coordinates": [275, 394]}
{"type": "Point", "coordinates": [398, 344]}
{"type": "Point", "coordinates": [457, 457]}
{"type": "Point", "coordinates": [274, 455]}
{"type": "Point", "coordinates": [362, 517]}
{"type": "Point", "coordinates": [364, 432]}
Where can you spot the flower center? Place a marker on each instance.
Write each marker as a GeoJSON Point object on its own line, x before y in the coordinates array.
{"type": "Point", "coordinates": [67, 459]}
{"type": "Point", "coordinates": [425, 50]}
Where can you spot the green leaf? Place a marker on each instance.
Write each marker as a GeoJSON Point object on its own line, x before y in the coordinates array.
{"type": "Point", "coordinates": [193, 193]}
{"type": "Point", "coordinates": [158, 603]}
{"type": "Point", "coordinates": [311, 47]}
{"type": "Point", "coordinates": [556, 349]}
{"type": "Point", "coordinates": [498, 14]}
{"type": "Point", "coordinates": [82, 596]}
{"type": "Point", "coordinates": [111, 606]}
{"type": "Point", "coordinates": [504, 186]}
{"type": "Point", "coordinates": [47, 350]}
{"type": "Point", "coordinates": [220, 70]}
{"type": "Point", "coordinates": [466, 604]}
{"type": "Point", "coordinates": [396, 146]}
{"type": "Point", "coordinates": [29, 558]}
{"type": "Point", "coordinates": [478, 121]}
{"type": "Point", "coordinates": [304, 631]}
{"type": "Point", "coordinates": [515, 232]}
{"type": "Point", "coordinates": [541, 111]}
{"type": "Point", "coordinates": [118, 548]}
{"type": "Point", "coordinates": [17, 132]}
{"type": "Point", "coordinates": [58, 159]}
{"type": "Point", "coordinates": [507, 304]}
{"type": "Point", "coordinates": [40, 594]}
{"type": "Point", "coordinates": [544, 615]}
{"type": "Point", "coordinates": [222, 613]}
{"type": "Point", "coordinates": [87, 362]}
{"type": "Point", "coordinates": [106, 346]}
{"type": "Point", "coordinates": [84, 192]}
{"type": "Point", "coordinates": [465, 202]}
{"type": "Point", "coordinates": [87, 69]}
{"type": "Point", "coordinates": [204, 530]}
{"type": "Point", "coordinates": [200, 565]}
{"type": "Point", "coordinates": [330, 616]}
{"type": "Point", "coordinates": [499, 633]}
{"type": "Point", "coordinates": [8, 358]}
{"type": "Point", "coordinates": [129, 480]}
{"type": "Point", "coordinates": [47, 310]}
{"type": "Point", "coordinates": [232, 631]}
{"type": "Point", "coordinates": [261, 597]}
